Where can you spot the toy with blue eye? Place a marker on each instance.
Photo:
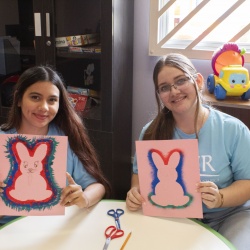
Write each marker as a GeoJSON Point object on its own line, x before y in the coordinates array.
{"type": "Point", "coordinates": [230, 78]}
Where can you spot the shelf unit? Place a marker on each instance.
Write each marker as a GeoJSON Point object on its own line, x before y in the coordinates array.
{"type": "Point", "coordinates": [231, 105]}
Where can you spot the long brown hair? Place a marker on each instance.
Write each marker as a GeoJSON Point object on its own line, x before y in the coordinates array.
{"type": "Point", "coordinates": [66, 120]}
{"type": "Point", "coordinates": [162, 127]}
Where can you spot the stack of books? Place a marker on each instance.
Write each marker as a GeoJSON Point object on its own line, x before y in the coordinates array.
{"type": "Point", "coordinates": [88, 43]}
{"type": "Point", "coordinates": [86, 49]}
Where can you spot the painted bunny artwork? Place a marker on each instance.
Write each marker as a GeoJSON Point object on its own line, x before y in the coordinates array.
{"type": "Point", "coordinates": [31, 178]}
{"type": "Point", "coordinates": [30, 181]}
{"type": "Point", "coordinates": [168, 180]}
{"type": "Point", "coordinates": [168, 172]}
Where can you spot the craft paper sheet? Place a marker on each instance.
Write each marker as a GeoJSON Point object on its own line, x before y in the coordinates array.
{"type": "Point", "coordinates": [168, 172]}
{"type": "Point", "coordinates": [34, 169]}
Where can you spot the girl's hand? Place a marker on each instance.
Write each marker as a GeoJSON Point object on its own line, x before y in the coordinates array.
{"type": "Point", "coordinates": [73, 194]}
{"type": "Point", "coordinates": [134, 199]}
{"type": "Point", "coordinates": [210, 194]}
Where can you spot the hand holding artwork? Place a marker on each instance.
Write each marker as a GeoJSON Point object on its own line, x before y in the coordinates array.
{"type": "Point", "coordinates": [210, 194]}
{"type": "Point", "coordinates": [134, 199]}
{"type": "Point", "coordinates": [73, 194]}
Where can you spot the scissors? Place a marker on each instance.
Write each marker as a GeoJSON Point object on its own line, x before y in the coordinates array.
{"type": "Point", "coordinates": [116, 214]}
{"type": "Point", "coordinates": [111, 233]}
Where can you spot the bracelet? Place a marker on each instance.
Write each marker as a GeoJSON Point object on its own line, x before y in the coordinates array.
{"type": "Point", "coordinates": [222, 199]}
{"type": "Point", "coordinates": [86, 199]}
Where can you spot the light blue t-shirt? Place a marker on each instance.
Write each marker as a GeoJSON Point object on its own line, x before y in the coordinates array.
{"type": "Point", "coordinates": [224, 150]}
{"type": "Point", "coordinates": [74, 166]}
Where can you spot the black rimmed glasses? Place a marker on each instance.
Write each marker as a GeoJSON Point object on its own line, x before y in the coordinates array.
{"type": "Point", "coordinates": [181, 84]}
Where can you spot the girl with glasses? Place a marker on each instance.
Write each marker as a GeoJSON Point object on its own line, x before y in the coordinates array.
{"type": "Point", "coordinates": [225, 140]}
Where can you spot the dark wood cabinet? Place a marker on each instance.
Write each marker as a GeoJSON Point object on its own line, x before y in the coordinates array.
{"type": "Point", "coordinates": [233, 106]}
{"type": "Point", "coordinates": [110, 123]}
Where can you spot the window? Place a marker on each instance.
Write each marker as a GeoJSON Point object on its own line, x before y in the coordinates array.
{"type": "Point", "coordinates": [198, 27]}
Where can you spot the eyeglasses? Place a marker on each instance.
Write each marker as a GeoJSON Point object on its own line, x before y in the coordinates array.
{"type": "Point", "coordinates": [180, 84]}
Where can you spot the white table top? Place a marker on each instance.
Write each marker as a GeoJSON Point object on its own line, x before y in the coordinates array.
{"type": "Point", "coordinates": [84, 229]}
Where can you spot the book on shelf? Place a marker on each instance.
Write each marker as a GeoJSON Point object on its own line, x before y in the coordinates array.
{"type": "Point", "coordinates": [76, 90]}
{"type": "Point", "coordinates": [77, 40]}
{"type": "Point", "coordinates": [85, 49]}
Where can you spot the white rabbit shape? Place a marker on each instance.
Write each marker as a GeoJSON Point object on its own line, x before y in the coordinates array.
{"type": "Point", "coordinates": [168, 191]}
{"type": "Point", "coordinates": [30, 185]}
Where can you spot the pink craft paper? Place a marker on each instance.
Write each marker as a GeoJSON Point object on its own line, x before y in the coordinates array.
{"type": "Point", "coordinates": [34, 169]}
{"type": "Point", "coordinates": [168, 172]}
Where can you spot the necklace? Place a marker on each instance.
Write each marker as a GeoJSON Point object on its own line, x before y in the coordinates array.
{"type": "Point", "coordinates": [193, 135]}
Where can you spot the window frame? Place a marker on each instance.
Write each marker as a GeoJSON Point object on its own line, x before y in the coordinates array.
{"type": "Point", "coordinates": [205, 50]}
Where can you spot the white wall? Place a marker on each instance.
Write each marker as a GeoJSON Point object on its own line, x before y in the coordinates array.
{"type": "Point", "coordinates": [143, 93]}
{"type": "Point", "coordinates": [144, 105]}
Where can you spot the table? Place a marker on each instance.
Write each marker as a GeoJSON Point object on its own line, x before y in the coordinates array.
{"type": "Point", "coordinates": [84, 229]}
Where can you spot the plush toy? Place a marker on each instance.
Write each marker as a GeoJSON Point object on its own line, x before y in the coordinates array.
{"type": "Point", "coordinates": [230, 78]}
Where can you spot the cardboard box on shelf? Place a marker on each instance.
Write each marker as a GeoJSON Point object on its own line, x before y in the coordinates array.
{"type": "Point", "coordinates": [78, 101]}
{"type": "Point", "coordinates": [90, 38]}
{"type": "Point", "coordinates": [94, 93]}
{"type": "Point", "coordinates": [76, 90]}
{"type": "Point", "coordinates": [83, 91]}
{"type": "Point", "coordinates": [77, 40]}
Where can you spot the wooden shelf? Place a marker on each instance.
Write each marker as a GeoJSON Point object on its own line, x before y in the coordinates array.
{"type": "Point", "coordinates": [230, 102]}
{"type": "Point", "coordinates": [87, 55]}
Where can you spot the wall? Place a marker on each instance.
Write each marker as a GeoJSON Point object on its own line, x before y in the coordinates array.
{"type": "Point", "coordinates": [144, 105]}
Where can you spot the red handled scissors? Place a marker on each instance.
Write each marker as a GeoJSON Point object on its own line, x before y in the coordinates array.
{"type": "Point", "coordinates": [111, 233]}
